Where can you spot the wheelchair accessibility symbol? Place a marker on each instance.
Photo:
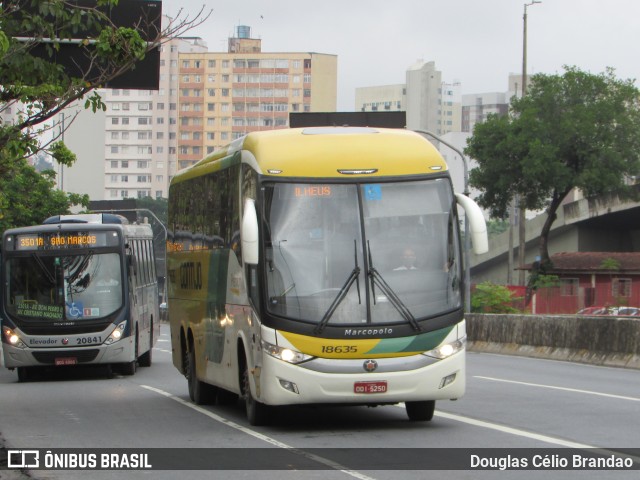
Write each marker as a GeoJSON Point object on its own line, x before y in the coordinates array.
{"type": "Point", "coordinates": [74, 310]}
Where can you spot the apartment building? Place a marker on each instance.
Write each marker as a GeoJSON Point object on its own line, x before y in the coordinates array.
{"type": "Point", "coordinates": [476, 107]}
{"type": "Point", "coordinates": [225, 95]}
{"type": "Point", "coordinates": [385, 98]}
{"type": "Point", "coordinates": [430, 103]}
{"type": "Point", "coordinates": [141, 131]}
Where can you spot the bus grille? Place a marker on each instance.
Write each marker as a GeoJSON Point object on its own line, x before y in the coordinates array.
{"type": "Point", "coordinates": [82, 356]}
{"type": "Point", "coordinates": [79, 328]}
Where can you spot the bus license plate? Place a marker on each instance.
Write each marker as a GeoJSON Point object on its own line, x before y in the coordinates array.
{"type": "Point", "coordinates": [370, 387]}
{"type": "Point", "coordinates": [66, 361]}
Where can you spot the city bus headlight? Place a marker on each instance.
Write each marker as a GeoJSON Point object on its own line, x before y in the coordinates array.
{"type": "Point", "coordinates": [447, 349]}
{"type": "Point", "coordinates": [117, 334]}
{"type": "Point", "coordinates": [13, 338]}
{"type": "Point", "coordinates": [284, 354]}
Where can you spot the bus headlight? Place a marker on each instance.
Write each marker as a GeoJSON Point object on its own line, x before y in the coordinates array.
{"type": "Point", "coordinates": [13, 338]}
{"type": "Point", "coordinates": [447, 349]}
{"type": "Point", "coordinates": [117, 334]}
{"type": "Point", "coordinates": [285, 354]}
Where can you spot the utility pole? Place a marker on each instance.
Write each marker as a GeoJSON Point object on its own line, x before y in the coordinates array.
{"type": "Point", "coordinates": [522, 240]}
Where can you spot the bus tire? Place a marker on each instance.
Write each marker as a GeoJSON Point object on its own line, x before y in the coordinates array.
{"type": "Point", "coordinates": [257, 412]}
{"type": "Point", "coordinates": [147, 357]}
{"type": "Point", "coordinates": [420, 411]}
{"type": "Point", "coordinates": [131, 367]}
{"type": "Point", "coordinates": [200, 393]}
{"type": "Point", "coordinates": [23, 374]}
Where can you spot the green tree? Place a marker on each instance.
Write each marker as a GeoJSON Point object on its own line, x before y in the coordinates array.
{"type": "Point", "coordinates": [575, 130]}
{"type": "Point", "coordinates": [29, 197]}
{"type": "Point", "coordinates": [488, 297]}
{"type": "Point", "coordinates": [35, 89]}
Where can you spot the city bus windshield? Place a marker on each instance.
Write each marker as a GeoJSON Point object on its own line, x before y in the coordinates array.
{"type": "Point", "coordinates": [340, 254]}
{"type": "Point", "coordinates": [63, 287]}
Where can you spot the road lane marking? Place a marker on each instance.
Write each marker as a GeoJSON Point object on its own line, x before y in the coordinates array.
{"type": "Point", "coordinates": [512, 431]}
{"type": "Point", "coordinates": [260, 436]}
{"type": "Point", "coordinates": [566, 389]}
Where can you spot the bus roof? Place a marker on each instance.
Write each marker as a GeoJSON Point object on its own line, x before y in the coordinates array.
{"type": "Point", "coordinates": [324, 152]}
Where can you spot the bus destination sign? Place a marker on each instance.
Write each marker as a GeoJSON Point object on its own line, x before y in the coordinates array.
{"type": "Point", "coordinates": [64, 240]}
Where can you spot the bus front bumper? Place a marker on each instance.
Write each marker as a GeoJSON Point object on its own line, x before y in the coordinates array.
{"type": "Point", "coordinates": [61, 350]}
{"type": "Point", "coordinates": [281, 383]}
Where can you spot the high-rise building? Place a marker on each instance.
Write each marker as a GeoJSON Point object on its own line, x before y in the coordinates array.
{"type": "Point", "coordinates": [141, 131]}
{"type": "Point", "coordinates": [430, 103]}
{"type": "Point", "coordinates": [477, 106]}
{"type": "Point", "coordinates": [205, 100]}
{"type": "Point", "coordinates": [223, 96]}
{"type": "Point", "coordinates": [385, 98]}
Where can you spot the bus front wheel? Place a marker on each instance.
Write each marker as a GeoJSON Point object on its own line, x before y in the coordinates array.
{"type": "Point", "coordinates": [23, 374]}
{"type": "Point", "coordinates": [147, 357]}
{"type": "Point", "coordinates": [257, 412]}
{"type": "Point", "coordinates": [420, 411]}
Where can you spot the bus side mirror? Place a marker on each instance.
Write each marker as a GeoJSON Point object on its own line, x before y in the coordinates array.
{"type": "Point", "coordinates": [477, 225]}
{"type": "Point", "coordinates": [249, 233]}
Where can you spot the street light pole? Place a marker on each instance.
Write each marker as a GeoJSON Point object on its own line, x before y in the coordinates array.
{"type": "Point", "coordinates": [467, 236]}
{"type": "Point", "coordinates": [522, 217]}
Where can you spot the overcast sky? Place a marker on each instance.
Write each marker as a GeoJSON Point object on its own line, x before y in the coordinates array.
{"type": "Point", "coordinates": [474, 42]}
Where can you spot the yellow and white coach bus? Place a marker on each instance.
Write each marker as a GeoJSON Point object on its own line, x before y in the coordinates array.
{"type": "Point", "coordinates": [319, 266]}
{"type": "Point", "coordinates": [78, 290]}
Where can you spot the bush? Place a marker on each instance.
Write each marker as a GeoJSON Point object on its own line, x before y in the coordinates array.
{"type": "Point", "coordinates": [488, 297]}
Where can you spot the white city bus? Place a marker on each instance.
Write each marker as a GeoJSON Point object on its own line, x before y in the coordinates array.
{"type": "Point", "coordinates": [286, 282]}
{"type": "Point", "coordinates": [79, 289]}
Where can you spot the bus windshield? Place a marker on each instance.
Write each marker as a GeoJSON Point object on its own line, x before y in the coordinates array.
{"type": "Point", "coordinates": [340, 254]}
{"type": "Point", "coordinates": [63, 288]}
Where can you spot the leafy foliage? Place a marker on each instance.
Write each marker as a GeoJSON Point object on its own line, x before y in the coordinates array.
{"type": "Point", "coordinates": [28, 197]}
{"type": "Point", "coordinates": [34, 88]}
{"type": "Point", "coordinates": [575, 130]}
{"type": "Point", "coordinates": [488, 297]}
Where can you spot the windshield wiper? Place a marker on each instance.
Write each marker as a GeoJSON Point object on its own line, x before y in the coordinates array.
{"type": "Point", "coordinates": [353, 277]}
{"type": "Point", "coordinates": [376, 279]}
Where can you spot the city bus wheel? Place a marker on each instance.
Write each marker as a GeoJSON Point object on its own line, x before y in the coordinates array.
{"type": "Point", "coordinates": [147, 357]}
{"type": "Point", "coordinates": [131, 367]}
{"type": "Point", "coordinates": [257, 412]}
{"type": "Point", "coordinates": [23, 374]}
{"type": "Point", "coordinates": [200, 393]}
{"type": "Point", "coordinates": [420, 411]}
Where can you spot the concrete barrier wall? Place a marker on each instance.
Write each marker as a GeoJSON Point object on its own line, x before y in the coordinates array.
{"type": "Point", "coordinates": [610, 341]}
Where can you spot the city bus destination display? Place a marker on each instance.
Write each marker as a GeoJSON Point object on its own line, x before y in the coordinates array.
{"type": "Point", "coordinates": [64, 240]}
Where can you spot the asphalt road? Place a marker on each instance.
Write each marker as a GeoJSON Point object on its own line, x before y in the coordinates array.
{"type": "Point", "coordinates": [511, 403]}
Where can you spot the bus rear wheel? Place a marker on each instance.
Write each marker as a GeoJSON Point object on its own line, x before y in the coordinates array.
{"type": "Point", "coordinates": [420, 411]}
{"type": "Point", "coordinates": [200, 393]}
{"type": "Point", "coordinates": [257, 412]}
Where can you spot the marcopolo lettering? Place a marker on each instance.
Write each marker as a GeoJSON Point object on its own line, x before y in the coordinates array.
{"type": "Point", "coordinates": [353, 332]}
{"type": "Point", "coordinates": [191, 276]}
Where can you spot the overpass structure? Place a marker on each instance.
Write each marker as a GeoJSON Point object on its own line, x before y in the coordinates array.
{"type": "Point", "coordinates": [601, 224]}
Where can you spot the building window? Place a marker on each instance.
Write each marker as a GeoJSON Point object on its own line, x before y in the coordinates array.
{"type": "Point", "coordinates": [621, 287]}
{"type": "Point", "coordinates": [569, 287]}
{"type": "Point", "coordinates": [124, 178]}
